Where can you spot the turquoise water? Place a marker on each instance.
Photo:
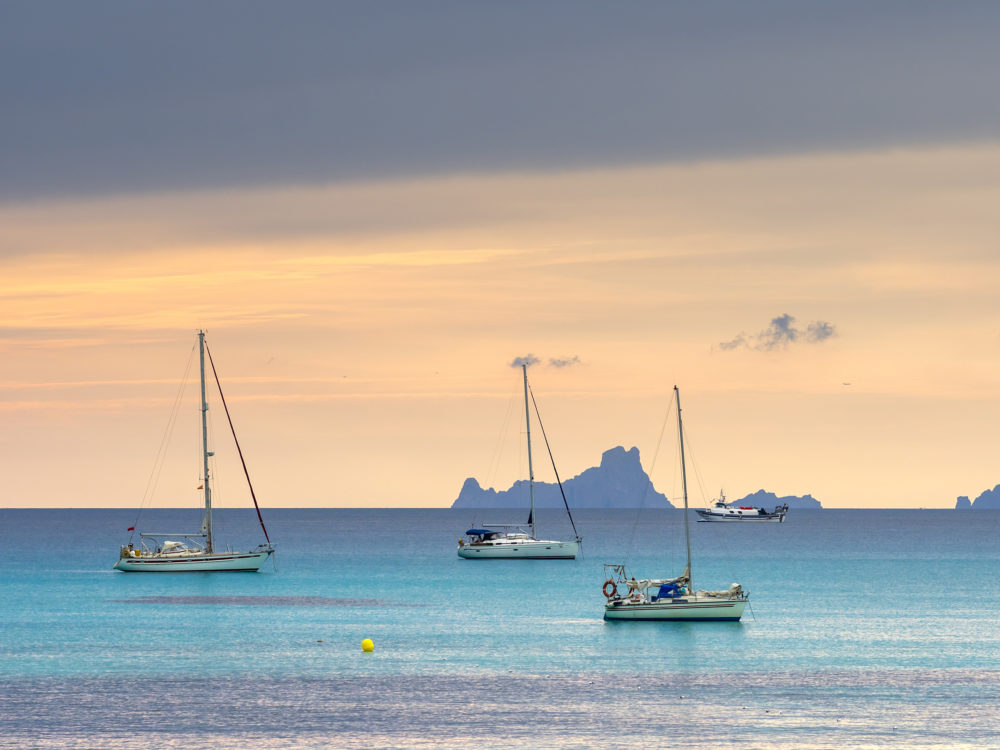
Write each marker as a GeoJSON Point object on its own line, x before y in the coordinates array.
{"type": "Point", "coordinates": [866, 628]}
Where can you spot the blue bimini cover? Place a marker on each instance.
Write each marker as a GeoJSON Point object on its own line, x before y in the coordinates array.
{"type": "Point", "coordinates": [668, 591]}
{"type": "Point", "coordinates": [480, 532]}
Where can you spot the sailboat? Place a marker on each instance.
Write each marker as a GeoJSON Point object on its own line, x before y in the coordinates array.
{"type": "Point", "coordinates": [177, 552]}
{"type": "Point", "coordinates": [519, 541]}
{"type": "Point", "coordinates": [672, 599]}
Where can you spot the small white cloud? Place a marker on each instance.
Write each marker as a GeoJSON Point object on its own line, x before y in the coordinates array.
{"type": "Point", "coordinates": [564, 362]}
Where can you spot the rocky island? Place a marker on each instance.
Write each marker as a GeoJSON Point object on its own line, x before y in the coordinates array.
{"type": "Point", "coordinates": [619, 482]}
{"type": "Point", "coordinates": [987, 500]}
{"type": "Point", "coordinates": [762, 499]}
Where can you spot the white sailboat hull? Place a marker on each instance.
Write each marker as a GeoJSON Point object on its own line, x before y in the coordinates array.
{"type": "Point", "coordinates": [234, 562]}
{"type": "Point", "coordinates": [522, 549]}
{"type": "Point", "coordinates": [678, 610]}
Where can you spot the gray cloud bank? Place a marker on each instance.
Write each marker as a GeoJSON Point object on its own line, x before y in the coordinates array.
{"type": "Point", "coordinates": [119, 95]}
{"type": "Point", "coordinates": [780, 334]}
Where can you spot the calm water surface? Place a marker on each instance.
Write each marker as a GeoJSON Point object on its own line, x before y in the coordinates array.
{"type": "Point", "coordinates": [867, 629]}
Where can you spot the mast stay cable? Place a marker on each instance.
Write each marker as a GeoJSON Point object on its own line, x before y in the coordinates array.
{"type": "Point", "coordinates": [554, 469]}
{"type": "Point", "coordinates": [236, 440]}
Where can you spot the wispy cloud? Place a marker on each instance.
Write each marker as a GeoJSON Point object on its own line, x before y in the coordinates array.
{"type": "Point", "coordinates": [564, 361]}
{"type": "Point", "coordinates": [819, 330]}
{"type": "Point", "coordinates": [780, 334]}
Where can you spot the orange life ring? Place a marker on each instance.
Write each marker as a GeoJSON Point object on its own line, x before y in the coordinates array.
{"type": "Point", "coordinates": [614, 588]}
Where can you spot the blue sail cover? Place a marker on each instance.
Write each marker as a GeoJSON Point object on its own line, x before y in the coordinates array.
{"type": "Point", "coordinates": [668, 591]}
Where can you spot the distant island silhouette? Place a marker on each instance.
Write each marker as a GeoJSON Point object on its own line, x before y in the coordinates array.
{"type": "Point", "coordinates": [987, 500]}
{"type": "Point", "coordinates": [618, 482]}
{"type": "Point", "coordinates": [762, 499]}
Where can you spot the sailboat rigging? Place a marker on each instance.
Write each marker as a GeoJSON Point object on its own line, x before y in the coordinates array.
{"type": "Point", "coordinates": [197, 552]}
{"type": "Point", "coordinates": [673, 599]}
{"type": "Point", "coordinates": [514, 541]}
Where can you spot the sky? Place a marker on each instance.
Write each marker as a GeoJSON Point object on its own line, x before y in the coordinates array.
{"type": "Point", "coordinates": [373, 209]}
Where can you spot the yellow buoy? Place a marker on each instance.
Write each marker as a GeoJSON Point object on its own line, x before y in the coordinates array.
{"type": "Point", "coordinates": [367, 646]}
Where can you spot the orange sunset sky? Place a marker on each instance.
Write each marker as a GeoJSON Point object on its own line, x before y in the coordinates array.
{"type": "Point", "coordinates": [373, 209]}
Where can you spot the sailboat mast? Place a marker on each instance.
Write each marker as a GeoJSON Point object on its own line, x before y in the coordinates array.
{"type": "Point", "coordinates": [531, 471]}
{"type": "Point", "coordinates": [684, 484]}
{"type": "Point", "coordinates": [207, 523]}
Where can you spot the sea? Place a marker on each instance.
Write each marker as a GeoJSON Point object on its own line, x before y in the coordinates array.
{"type": "Point", "coordinates": [866, 629]}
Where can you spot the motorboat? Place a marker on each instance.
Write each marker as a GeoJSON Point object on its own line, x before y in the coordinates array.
{"type": "Point", "coordinates": [724, 512]}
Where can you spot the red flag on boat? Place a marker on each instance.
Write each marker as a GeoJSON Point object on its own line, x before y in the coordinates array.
{"type": "Point", "coordinates": [130, 528]}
